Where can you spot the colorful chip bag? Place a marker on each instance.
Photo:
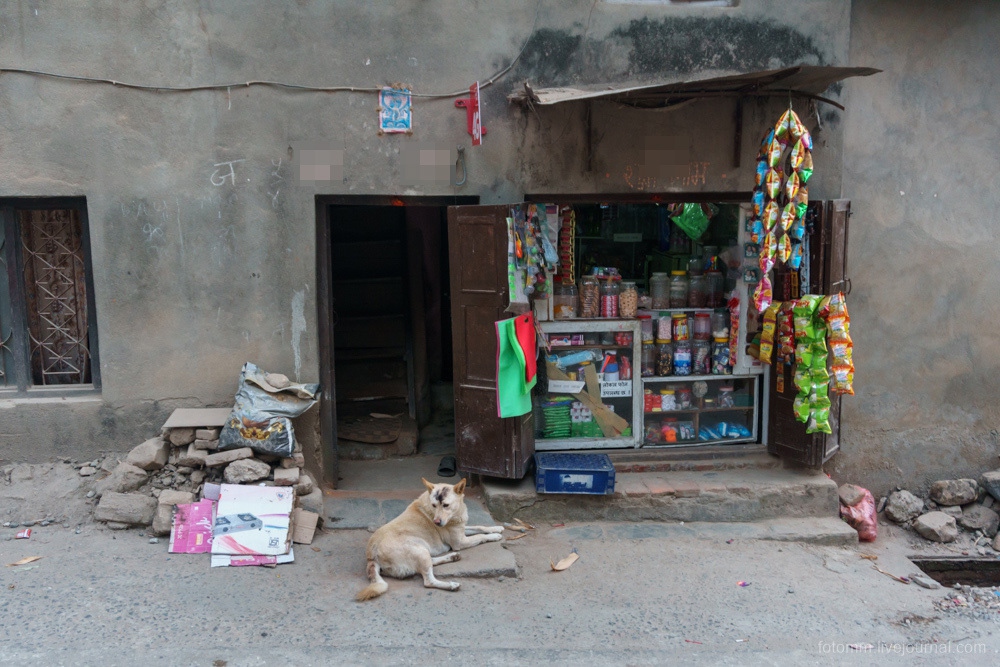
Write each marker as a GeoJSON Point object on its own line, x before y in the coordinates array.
{"type": "Point", "coordinates": [772, 212]}
{"type": "Point", "coordinates": [806, 170]}
{"type": "Point", "coordinates": [784, 249]}
{"type": "Point", "coordinates": [792, 185]}
{"type": "Point", "coordinates": [762, 294]}
{"type": "Point", "coordinates": [772, 182]}
{"type": "Point", "coordinates": [788, 216]}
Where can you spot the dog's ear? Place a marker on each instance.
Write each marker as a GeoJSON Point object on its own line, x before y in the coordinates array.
{"type": "Point", "coordinates": [430, 487]}
{"type": "Point", "coordinates": [460, 487]}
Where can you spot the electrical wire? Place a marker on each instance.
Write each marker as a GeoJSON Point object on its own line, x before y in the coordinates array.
{"type": "Point", "coordinates": [273, 84]}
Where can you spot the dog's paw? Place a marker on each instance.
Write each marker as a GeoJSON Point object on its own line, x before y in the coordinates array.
{"type": "Point", "coordinates": [456, 557]}
{"type": "Point", "coordinates": [454, 585]}
{"type": "Point", "coordinates": [495, 529]}
{"type": "Point", "coordinates": [493, 537]}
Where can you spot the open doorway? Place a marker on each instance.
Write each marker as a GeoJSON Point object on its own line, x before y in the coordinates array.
{"type": "Point", "coordinates": [385, 315]}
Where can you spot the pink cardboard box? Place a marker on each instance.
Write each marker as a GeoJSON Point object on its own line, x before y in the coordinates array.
{"type": "Point", "coordinates": [253, 520]}
{"type": "Point", "coordinates": [192, 529]}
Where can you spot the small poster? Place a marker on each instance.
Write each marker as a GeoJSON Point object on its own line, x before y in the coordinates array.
{"type": "Point", "coordinates": [395, 113]}
{"type": "Point", "coordinates": [616, 389]}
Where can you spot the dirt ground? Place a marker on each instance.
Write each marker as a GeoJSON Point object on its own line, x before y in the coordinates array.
{"type": "Point", "coordinates": [635, 596]}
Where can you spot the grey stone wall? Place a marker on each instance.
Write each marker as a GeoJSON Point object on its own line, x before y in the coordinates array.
{"type": "Point", "coordinates": [204, 245]}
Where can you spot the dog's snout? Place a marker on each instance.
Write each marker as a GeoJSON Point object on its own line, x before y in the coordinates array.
{"type": "Point", "coordinates": [437, 522]}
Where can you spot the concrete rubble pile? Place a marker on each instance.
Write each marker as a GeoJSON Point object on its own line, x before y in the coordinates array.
{"type": "Point", "coordinates": [173, 468]}
{"type": "Point", "coordinates": [950, 506]}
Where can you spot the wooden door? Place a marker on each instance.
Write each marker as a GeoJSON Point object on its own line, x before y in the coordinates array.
{"type": "Point", "coordinates": [484, 443]}
{"type": "Point", "coordinates": [827, 227]}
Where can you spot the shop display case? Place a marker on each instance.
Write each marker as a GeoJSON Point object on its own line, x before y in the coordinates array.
{"type": "Point", "coordinates": [589, 385]}
{"type": "Point", "coordinates": [700, 409]}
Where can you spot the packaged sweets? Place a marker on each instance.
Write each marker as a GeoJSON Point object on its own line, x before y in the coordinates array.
{"type": "Point", "coordinates": [768, 331]}
{"type": "Point", "coordinates": [842, 378]}
{"type": "Point", "coordinates": [769, 218]}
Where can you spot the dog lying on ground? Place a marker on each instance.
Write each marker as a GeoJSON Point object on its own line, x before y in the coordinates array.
{"type": "Point", "coordinates": [429, 532]}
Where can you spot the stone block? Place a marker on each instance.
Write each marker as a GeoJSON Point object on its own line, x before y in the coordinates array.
{"type": "Point", "coordinates": [207, 433]}
{"type": "Point", "coordinates": [181, 436]}
{"type": "Point", "coordinates": [134, 509]}
{"type": "Point", "coordinates": [685, 489]}
{"type": "Point", "coordinates": [937, 527]}
{"type": "Point", "coordinates": [286, 476]}
{"type": "Point", "coordinates": [976, 517]}
{"type": "Point", "coordinates": [205, 445]}
{"type": "Point", "coordinates": [294, 461]}
{"type": "Point", "coordinates": [150, 455]}
{"type": "Point", "coordinates": [850, 495]}
{"type": "Point", "coordinates": [903, 507]}
{"type": "Point", "coordinates": [246, 470]}
{"type": "Point", "coordinates": [305, 485]}
{"type": "Point", "coordinates": [228, 456]}
{"type": "Point", "coordinates": [193, 458]}
{"type": "Point", "coordinates": [312, 501]}
{"type": "Point", "coordinates": [164, 517]}
{"type": "Point", "coordinates": [954, 491]}
{"type": "Point", "coordinates": [991, 481]}
{"type": "Point", "coordinates": [87, 471]}
{"type": "Point", "coordinates": [126, 477]}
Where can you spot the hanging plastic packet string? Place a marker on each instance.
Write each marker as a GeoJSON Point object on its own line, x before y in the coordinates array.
{"type": "Point", "coordinates": [768, 252]}
{"type": "Point", "coordinates": [812, 402]}
{"type": "Point", "coordinates": [768, 331]}
{"type": "Point", "coordinates": [785, 341]}
{"type": "Point", "coordinates": [734, 327]}
{"type": "Point", "coordinates": [833, 310]}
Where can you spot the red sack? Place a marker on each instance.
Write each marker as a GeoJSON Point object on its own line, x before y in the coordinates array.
{"type": "Point", "coordinates": [862, 517]}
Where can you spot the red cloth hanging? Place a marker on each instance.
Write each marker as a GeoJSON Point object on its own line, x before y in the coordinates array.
{"type": "Point", "coordinates": [524, 328]}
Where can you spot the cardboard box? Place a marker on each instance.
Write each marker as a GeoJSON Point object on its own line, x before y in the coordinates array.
{"type": "Point", "coordinates": [224, 560]}
{"type": "Point", "coordinates": [305, 526]}
{"type": "Point", "coordinates": [256, 520]}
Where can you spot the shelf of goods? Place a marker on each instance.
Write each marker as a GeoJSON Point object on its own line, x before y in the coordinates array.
{"type": "Point", "coordinates": [580, 401]}
{"type": "Point", "coordinates": [699, 409]}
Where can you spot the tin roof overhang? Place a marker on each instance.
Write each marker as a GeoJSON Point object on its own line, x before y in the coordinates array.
{"type": "Point", "coordinates": [799, 81]}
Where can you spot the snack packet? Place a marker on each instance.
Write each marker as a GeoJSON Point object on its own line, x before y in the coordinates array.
{"type": "Point", "coordinates": [842, 379]}
{"type": "Point", "coordinates": [757, 202]}
{"type": "Point", "coordinates": [784, 249]}
{"type": "Point", "coordinates": [774, 151]}
{"type": "Point", "coordinates": [795, 261]}
{"type": "Point", "coordinates": [762, 294]}
{"type": "Point", "coordinates": [806, 170]}
{"type": "Point", "coordinates": [772, 182]}
{"type": "Point", "coordinates": [783, 127]}
{"type": "Point", "coordinates": [769, 326]}
{"type": "Point", "coordinates": [788, 216]}
{"type": "Point", "coordinates": [770, 216]}
{"type": "Point", "coordinates": [792, 185]}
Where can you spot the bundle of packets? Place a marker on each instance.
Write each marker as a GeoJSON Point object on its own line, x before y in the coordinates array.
{"type": "Point", "coordinates": [833, 311]}
{"type": "Point", "coordinates": [812, 379]}
{"type": "Point", "coordinates": [780, 199]}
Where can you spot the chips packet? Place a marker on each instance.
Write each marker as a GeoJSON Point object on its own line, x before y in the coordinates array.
{"type": "Point", "coordinates": [770, 215]}
{"type": "Point", "coordinates": [772, 182]}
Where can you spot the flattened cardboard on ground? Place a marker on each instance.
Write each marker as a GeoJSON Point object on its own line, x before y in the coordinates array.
{"type": "Point", "coordinates": [223, 560]}
{"type": "Point", "coordinates": [253, 520]}
{"type": "Point", "coordinates": [305, 525]}
{"type": "Point", "coordinates": [196, 417]}
{"type": "Point", "coordinates": [192, 529]}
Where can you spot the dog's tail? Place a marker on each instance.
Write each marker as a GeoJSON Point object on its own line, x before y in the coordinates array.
{"type": "Point", "coordinates": [377, 586]}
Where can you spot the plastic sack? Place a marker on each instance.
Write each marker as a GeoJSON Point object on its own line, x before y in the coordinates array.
{"type": "Point", "coordinates": [261, 417]}
{"type": "Point", "coordinates": [692, 220]}
{"type": "Point", "coordinates": [862, 517]}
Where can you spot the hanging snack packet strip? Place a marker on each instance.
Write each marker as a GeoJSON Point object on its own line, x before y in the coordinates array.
{"type": "Point", "coordinates": [762, 295]}
{"type": "Point", "coordinates": [833, 310]}
{"type": "Point", "coordinates": [767, 334]}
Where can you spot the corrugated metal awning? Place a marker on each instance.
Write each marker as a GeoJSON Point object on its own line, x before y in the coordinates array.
{"type": "Point", "coordinates": [800, 81]}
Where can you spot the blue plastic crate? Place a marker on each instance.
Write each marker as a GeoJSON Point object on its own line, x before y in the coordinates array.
{"type": "Point", "coordinates": [591, 474]}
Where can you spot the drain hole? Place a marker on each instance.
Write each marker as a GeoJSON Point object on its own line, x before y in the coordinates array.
{"type": "Point", "coordinates": [979, 572]}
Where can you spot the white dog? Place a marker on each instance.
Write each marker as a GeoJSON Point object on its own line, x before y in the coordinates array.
{"type": "Point", "coordinates": [420, 538]}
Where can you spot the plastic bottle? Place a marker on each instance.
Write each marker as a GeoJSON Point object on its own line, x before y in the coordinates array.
{"type": "Point", "coordinates": [609, 298]}
{"type": "Point", "coordinates": [697, 291]}
{"type": "Point", "coordinates": [678, 289]}
{"type": "Point", "coordinates": [702, 329]}
{"type": "Point", "coordinates": [682, 358]}
{"type": "Point", "coordinates": [713, 287]}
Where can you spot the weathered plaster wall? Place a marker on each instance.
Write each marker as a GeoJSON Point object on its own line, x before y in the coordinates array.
{"type": "Point", "coordinates": [921, 152]}
{"type": "Point", "coordinates": [203, 244]}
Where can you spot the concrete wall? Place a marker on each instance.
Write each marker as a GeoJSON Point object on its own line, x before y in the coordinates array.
{"type": "Point", "coordinates": [204, 245]}
{"type": "Point", "coordinates": [920, 160]}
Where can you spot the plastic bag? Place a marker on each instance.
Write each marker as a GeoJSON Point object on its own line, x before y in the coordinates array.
{"type": "Point", "coordinates": [861, 517]}
{"type": "Point", "coordinates": [692, 220]}
{"type": "Point", "coordinates": [261, 417]}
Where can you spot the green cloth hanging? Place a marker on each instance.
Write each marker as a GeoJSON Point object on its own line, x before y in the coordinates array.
{"type": "Point", "coordinates": [513, 387]}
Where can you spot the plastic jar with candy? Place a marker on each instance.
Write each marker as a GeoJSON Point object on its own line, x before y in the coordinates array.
{"type": "Point", "coordinates": [702, 328]}
{"type": "Point", "coordinates": [685, 399]}
{"type": "Point", "coordinates": [713, 285]}
{"type": "Point", "coordinates": [679, 325]}
{"type": "Point", "coordinates": [659, 290]}
{"type": "Point", "coordinates": [628, 300]}
{"type": "Point", "coordinates": [678, 289]}
{"type": "Point", "coordinates": [646, 328]}
{"type": "Point", "coordinates": [664, 358]}
{"type": "Point", "coordinates": [564, 302]}
{"type": "Point", "coordinates": [697, 291]}
{"type": "Point", "coordinates": [590, 297]}
{"type": "Point", "coordinates": [720, 356]}
{"type": "Point", "coordinates": [649, 353]}
{"type": "Point", "coordinates": [610, 292]}
{"type": "Point", "coordinates": [682, 358]}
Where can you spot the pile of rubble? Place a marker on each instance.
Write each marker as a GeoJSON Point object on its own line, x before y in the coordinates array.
{"type": "Point", "coordinates": [951, 504]}
{"type": "Point", "coordinates": [172, 469]}
{"type": "Point", "coordinates": [979, 603]}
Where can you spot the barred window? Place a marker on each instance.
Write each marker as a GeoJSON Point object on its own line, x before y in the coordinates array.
{"type": "Point", "coordinates": [48, 336]}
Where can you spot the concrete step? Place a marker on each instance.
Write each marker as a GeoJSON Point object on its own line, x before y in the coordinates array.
{"type": "Point", "coordinates": [728, 458]}
{"type": "Point", "coordinates": [735, 495]}
{"type": "Point", "coordinates": [404, 445]}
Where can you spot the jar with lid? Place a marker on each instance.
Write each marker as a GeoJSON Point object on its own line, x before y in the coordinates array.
{"type": "Point", "coordinates": [702, 328]}
{"type": "Point", "coordinates": [664, 359]}
{"type": "Point", "coordinates": [713, 287]}
{"type": "Point", "coordinates": [720, 356]}
{"type": "Point", "coordinates": [701, 357]}
{"type": "Point", "coordinates": [726, 398]}
{"type": "Point", "coordinates": [720, 324]}
{"type": "Point", "coordinates": [685, 400]}
{"type": "Point", "coordinates": [610, 292]}
{"type": "Point", "coordinates": [590, 297]}
{"type": "Point", "coordinates": [678, 289]}
{"type": "Point", "coordinates": [682, 358]}
{"type": "Point", "coordinates": [663, 329]}
{"type": "Point", "coordinates": [679, 325]}
{"type": "Point", "coordinates": [697, 291]}
{"type": "Point", "coordinates": [646, 328]}
{"type": "Point", "coordinates": [659, 290]}
{"type": "Point", "coordinates": [628, 299]}
{"type": "Point", "coordinates": [564, 302]}
{"type": "Point", "coordinates": [648, 360]}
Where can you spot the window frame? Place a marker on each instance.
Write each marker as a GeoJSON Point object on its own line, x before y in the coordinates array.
{"type": "Point", "coordinates": [19, 377]}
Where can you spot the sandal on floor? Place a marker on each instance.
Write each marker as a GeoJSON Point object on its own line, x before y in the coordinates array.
{"type": "Point", "coordinates": [448, 467]}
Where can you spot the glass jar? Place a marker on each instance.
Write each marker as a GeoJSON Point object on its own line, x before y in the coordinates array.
{"type": "Point", "coordinates": [646, 327]}
{"type": "Point", "coordinates": [713, 287]}
{"type": "Point", "coordinates": [659, 290]}
{"type": "Point", "coordinates": [702, 329]}
{"type": "Point", "coordinates": [610, 292]}
{"type": "Point", "coordinates": [682, 358]}
{"type": "Point", "coordinates": [697, 291]}
{"type": "Point", "coordinates": [701, 357]}
{"type": "Point", "coordinates": [628, 300]}
{"type": "Point", "coordinates": [590, 297]}
{"type": "Point", "coordinates": [668, 401]}
{"type": "Point", "coordinates": [726, 398]}
{"type": "Point", "coordinates": [720, 356]}
{"type": "Point", "coordinates": [664, 359]}
{"type": "Point", "coordinates": [685, 400]}
{"type": "Point", "coordinates": [679, 325]}
{"type": "Point", "coordinates": [649, 353]}
{"type": "Point", "coordinates": [720, 324]}
{"type": "Point", "coordinates": [663, 329]}
{"type": "Point", "coordinates": [564, 302]}
{"type": "Point", "coordinates": [678, 289]}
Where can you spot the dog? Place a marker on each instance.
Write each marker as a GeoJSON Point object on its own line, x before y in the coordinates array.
{"type": "Point", "coordinates": [429, 532]}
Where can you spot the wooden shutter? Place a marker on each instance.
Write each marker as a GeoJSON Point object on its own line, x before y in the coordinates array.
{"type": "Point", "coordinates": [484, 443]}
{"type": "Point", "coordinates": [827, 227]}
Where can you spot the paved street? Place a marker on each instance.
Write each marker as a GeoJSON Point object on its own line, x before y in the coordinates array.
{"type": "Point", "coordinates": [641, 593]}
